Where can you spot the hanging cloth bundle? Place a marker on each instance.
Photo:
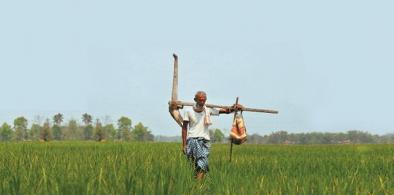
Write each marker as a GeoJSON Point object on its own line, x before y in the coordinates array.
{"type": "Point", "coordinates": [238, 130]}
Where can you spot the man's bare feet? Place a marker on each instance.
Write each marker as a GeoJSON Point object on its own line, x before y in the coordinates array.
{"type": "Point", "coordinates": [200, 175]}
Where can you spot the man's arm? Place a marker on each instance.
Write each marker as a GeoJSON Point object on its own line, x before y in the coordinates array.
{"type": "Point", "coordinates": [184, 134]}
{"type": "Point", "coordinates": [225, 111]}
{"type": "Point", "coordinates": [230, 110]}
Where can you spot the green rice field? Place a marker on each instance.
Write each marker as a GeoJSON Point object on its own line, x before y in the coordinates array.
{"type": "Point", "coordinates": [161, 168]}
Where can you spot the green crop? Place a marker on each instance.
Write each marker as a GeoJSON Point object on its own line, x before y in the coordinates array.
{"type": "Point", "coordinates": [161, 168]}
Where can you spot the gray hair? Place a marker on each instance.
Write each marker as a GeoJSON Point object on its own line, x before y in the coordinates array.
{"type": "Point", "coordinates": [200, 93]}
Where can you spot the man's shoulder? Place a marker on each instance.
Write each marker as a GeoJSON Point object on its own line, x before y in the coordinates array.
{"type": "Point", "coordinates": [214, 111]}
{"type": "Point", "coordinates": [186, 109]}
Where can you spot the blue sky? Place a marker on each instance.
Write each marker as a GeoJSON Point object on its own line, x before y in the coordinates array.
{"type": "Point", "coordinates": [326, 66]}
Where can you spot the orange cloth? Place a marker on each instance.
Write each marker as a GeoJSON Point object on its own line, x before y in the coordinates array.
{"type": "Point", "coordinates": [207, 118]}
{"type": "Point", "coordinates": [238, 130]}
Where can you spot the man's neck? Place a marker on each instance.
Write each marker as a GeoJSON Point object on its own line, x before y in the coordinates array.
{"type": "Point", "coordinates": [198, 108]}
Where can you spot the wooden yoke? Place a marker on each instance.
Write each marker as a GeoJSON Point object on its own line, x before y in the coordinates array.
{"type": "Point", "coordinates": [173, 107]}
{"type": "Point", "coordinates": [175, 104]}
{"type": "Point", "coordinates": [181, 104]}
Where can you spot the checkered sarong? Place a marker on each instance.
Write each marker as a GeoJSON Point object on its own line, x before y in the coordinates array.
{"type": "Point", "coordinates": [197, 150]}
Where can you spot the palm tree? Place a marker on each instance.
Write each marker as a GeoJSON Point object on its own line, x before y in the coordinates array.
{"type": "Point", "coordinates": [58, 118]}
{"type": "Point", "coordinates": [88, 129]}
{"type": "Point", "coordinates": [87, 119]}
{"type": "Point", "coordinates": [56, 129]}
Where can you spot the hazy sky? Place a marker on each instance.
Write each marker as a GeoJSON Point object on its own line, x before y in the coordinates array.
{"type": "Point", "coordinates": [326, 66]}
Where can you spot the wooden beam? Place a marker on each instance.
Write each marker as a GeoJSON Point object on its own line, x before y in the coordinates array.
{"type": "Point", "coordinates": [182, 103]}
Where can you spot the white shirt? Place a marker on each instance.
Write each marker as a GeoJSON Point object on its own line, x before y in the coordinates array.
{"type": "Point", "coordinates": [197, 127]}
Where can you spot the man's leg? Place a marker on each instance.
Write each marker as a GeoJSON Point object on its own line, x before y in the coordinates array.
{"type": "Point", "coordinates": [202, 159]}
{"type": "Point", "coordinates": [198, 151]}
{"type": "Point", "coordinates": [200, 175]}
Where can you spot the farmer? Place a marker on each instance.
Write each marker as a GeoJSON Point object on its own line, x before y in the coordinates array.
{"type": "Point", "coordinates": [195, 133]}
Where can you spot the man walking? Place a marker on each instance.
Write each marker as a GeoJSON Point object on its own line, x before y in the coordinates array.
{"type": "Point", "coordinates": [195, 132]}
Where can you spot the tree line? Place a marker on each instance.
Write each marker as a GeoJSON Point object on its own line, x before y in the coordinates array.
{"type": "Point", "coordinates": [283, 137]}
{"type": "Point", "coordinates": [55, 129]}
{"type": "Point", "coordinates": [350, 137]}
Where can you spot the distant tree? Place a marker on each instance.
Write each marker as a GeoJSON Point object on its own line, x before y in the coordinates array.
{"type": "Point", "coordinates": [58, 119]}
{"type": "Point", "coordinates": [353, 136]}
{"type": "Point", "coordinates": [5, 132]}
{"type": "Point", "coordinates": [141, 133]}
{"type": "Point", "coordinates": [109, 131]}
{"type": "Point", "coordinates": [98, 131]}
{"type": "Point", "coordinates": [255, 139]}
{"type": "Point", "coordinates": [301, 138]}
{"type": "Point", "coordinates": [57, 132]}
{"type": "Point", "coordinates": [211, 135]}
{"type": "Point", "coordinates": [88, 129]}
{"type": "Point", "coordinates": [88, 132]}
{"type": "Point", "coordinates": [45, 133]}
{"type": "Point", "coordinates": [124, 128]}
{"type": "Point", "coordinates": [277, 137]}
{"type": "Point", "coordinates": [20, 126]}
{"type": "Point", "coordinates": [313, 138]}
{"type": "Point", "coordinates": [56, 128]}
{"type": "Point", "coordinates": [87, 119]}
{"type": "Point", "coordinates": [327, 138]}
{"type": "Point", "coordinates": [340, 137]}
{"type": "Point", "coordinates": [360, 137]}
{"type": "Point", "coordinates": [218, 135]}
{"type": "Point", "coordinates": [35, 131]}
{"type": "Point", "coordinates": [73, 131]}
{"type": "Point", "coordinates": [386, 139]}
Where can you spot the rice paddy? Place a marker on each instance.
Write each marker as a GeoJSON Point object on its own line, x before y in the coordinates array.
{"type": "Point", "coordinates": [161, 168]}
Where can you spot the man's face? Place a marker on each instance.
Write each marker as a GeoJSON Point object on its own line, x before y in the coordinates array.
{"type": "Point", "coordinates": [200, 100]}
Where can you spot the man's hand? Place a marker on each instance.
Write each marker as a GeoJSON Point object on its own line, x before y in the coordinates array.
{"type": "Point", "coordinates": [237, 107]}
{"type": "Point", "coordinates": [173, 105]}
{"type": "Point", "coordinates": [231, 109]}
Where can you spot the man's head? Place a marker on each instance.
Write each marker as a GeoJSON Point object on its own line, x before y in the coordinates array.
{"type": "Point", "coordinates": [200, 98]}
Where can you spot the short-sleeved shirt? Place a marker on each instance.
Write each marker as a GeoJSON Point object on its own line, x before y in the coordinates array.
{"type": "Point", "coordinates": [197, 128]}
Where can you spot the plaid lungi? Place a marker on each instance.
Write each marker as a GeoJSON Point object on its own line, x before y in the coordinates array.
{"type": "Point", "coordinates": [197, 150]}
